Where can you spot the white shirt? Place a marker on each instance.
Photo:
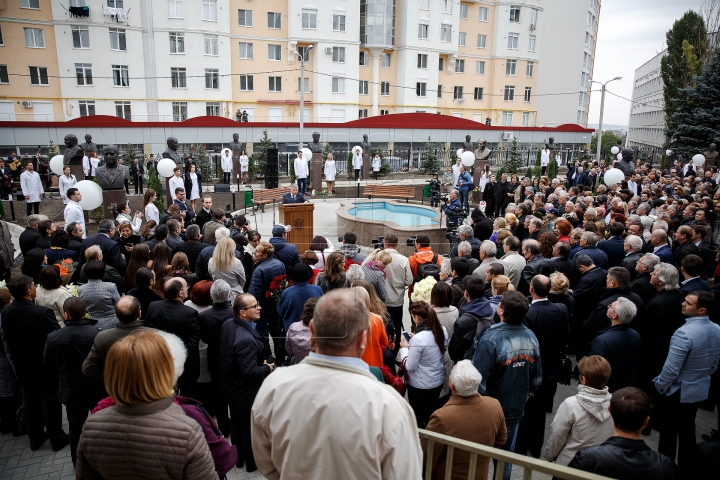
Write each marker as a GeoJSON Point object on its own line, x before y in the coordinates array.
{"type": "Point", "coordinates": [135, 223]}
{"type": "Point", "coordinates": [330, 170]}
{"type": "Point", "coordinates": [152, 213]}
{"type": "Point", "coordinates": [376, 164]}
{"type": "Point", "coordinates": [244, 162]}
{"type": "Point", "coordinates": [226, 163]}
{"type": "Point", "coordinates": [176, 182]}
{"type": "Point", "coordinates": [74, 213]}
{"type": "Point", "coordinates": [31, 186]}
{"type": "Point", "coordinates": [545, 158]}
{"type": "Point", "coordinates": [301, 168]}
{"type": "Point", "coordinates": [64, 184]}
{"type": "Point", "coordinates": [456, 173]}
{"type": "Point", "coordinates": [357, 161]}
{"type": "Point", "coordinates": [424, 360]}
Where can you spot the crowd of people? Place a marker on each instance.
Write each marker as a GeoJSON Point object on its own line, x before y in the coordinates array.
{"type": "Point", "coordinates": [182, 326]}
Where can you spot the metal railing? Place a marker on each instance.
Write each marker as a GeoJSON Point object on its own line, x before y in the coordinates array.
{"type": "Point", "coordinates": [529, 464]}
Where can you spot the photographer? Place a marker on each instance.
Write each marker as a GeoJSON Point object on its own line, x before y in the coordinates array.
{"type": "Point", "coordinates": [435, 191]}
{"type": "Point", "coordinates": [450, 208]}
{"type": "Point", "coordinates": [464, 183]}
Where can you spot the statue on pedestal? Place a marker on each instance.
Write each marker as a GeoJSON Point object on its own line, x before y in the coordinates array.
{"type": "Point", "coordinates": [365, 144]}
{"type": "Point", "coordinates": [316, 163]}
{"type": "Point", "coordinates": [315, 146]}
{"type": "Point", "coordinates": [73, 157]}
{"type": "Point", "coordinates": [171, 151]}
{"type": "Point", "coordinates": [89, 146]}
{"type": "Point", "coordinates": [626, 163]}
{"type": "Point", "coordinates": [237, 149]}
{"type": "Point", "coordinates": [467, 145]}
{"type": "Point", "coordinates": [711, 157]}
{"type": "Point", "coordinates": [112, 174]}
{"type": "Point", "coordinates": [482, 152]}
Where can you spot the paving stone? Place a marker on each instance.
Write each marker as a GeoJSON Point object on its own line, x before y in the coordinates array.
{"type": "Point", "coordinates": [32, 470]}
{"type": "Point", "coordinates": [54, 475]}
{"type": "Point", "coordinates": [29, 461]}
{"type": "Point", "coordinates": [50, 469]}
{"type": "Point", "coordinates": [39, 477]}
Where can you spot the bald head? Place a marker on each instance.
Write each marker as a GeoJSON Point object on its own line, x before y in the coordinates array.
{"type": "Point", "coordinates": [540, 286]}
{"type": "Point", "coordinates": [127, 309]}
{"type": "Point", "coordinates": [93, 253]}
{"type": "Point", "coordinates": [340, 323]}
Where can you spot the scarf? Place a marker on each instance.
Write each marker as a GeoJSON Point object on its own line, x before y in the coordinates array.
{"type": "Point", "coordinates": [372, 265]}
{"type": "Point", "coordinates": [420, 327]}
{"type": "Point", "coordinates": [495, 299]}
{"type": "Point", "coordinates": [350, 249]}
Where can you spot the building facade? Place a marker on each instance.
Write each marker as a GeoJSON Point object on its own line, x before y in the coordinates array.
{"type": "Point", "coordinates": [647, 112]}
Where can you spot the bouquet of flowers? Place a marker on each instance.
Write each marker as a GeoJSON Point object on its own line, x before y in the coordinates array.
{"type": "Point", "coordinates": [422, 289]}
{"type": "Point", "coordinates": [278, 284]}
{"type": "Point", "coordinates": [67, 268]}
{"type": "Point", "coordinates": [73, 289]}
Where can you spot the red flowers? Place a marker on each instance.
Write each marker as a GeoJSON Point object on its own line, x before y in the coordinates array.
{"type": "Point", "coordinates": [277, 286]}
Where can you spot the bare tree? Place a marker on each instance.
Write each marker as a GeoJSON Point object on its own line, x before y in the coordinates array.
{"type": "Point", "coordinates": [710, 11]}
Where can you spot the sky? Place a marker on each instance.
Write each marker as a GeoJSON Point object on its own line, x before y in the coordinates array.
{"type": "Point", "coordinates": [630, 33]}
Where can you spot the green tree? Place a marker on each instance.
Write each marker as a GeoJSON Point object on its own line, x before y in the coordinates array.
{"type": "Point", "coordinates": [203, 162]}
{"type": "Point", "coordinates": [430, 163]}
{"type": "Point", "coordinates": [552, 169]}
{"type": "Point", "coordinates": [129, 155]}
{"type": "Point", "coordinates": [155, 183]}
{"type": "Point", "coordinates": [259, 160]}
{"type": "Point", "coordinates": [350, 170]}
{"type": "Point", "coordinates": [53, 150]}
{"type": "Point", "coordinates": [538, 163]}
{"type": "Point", "coordinates": [609, 140]}
{"type": "Point", "coordinates": [513, 163]}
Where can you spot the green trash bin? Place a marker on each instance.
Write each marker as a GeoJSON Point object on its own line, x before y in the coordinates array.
{"type": "Point", "coordinates": [248, 198]}
{"type": "Point", "coordinates": [426, 193]}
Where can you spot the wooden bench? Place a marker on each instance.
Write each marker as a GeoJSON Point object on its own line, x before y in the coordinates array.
{"type": "Point", "coordinates": [392, 191]}
{"type": "Point", "coordinates": [263, 197]}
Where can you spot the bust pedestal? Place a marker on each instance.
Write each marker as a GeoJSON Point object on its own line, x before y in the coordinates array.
{"type": "Point", "coordinates": [77, 170]}
{"type": "Point", "coordinates": [111, 197]}
{"type": "Point", "coordinates": [316, 171]}
{"type": "Point", "coordinates": [365, 172]}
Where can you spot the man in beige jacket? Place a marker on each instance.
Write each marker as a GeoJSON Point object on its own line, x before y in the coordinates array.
{"type": "Point", "coordinates": [328, 416]}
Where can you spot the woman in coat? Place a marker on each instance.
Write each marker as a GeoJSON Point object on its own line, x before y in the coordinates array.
{"type": "Point", "coordinates": [376, 163]}
{"type": "Point", "coordinates": [193, 185]}
{"type": "Point", "coordinates": [225, 266]}
{"type": "Point", "coordinates": [151, 211]}
{"type": "Point", "coordinates": [66, 181]}
{"type": "Point", "coordinates": [50, 292]}
{"type": "Point", "coordinates": [374, 270]}
{"type": "Point", "coordinates": [329, 173]}
{"type": "Point", "coordinates": [100, 297]}
{"type": "Point", "coordinates": [226, 163]}
{"type": "Point", "coordinates": [123, 214]}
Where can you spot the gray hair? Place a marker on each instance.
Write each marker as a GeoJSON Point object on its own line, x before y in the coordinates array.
{"type": "Point", "coordinates": [93, 252]}
{"type": "Point", "coordinates": [445, 265]}
{"type": "Point", "coordinates": [192, 232]}
{"type": "Point", "coordinates": [532, 246]}
{"type": "Point", "coordinates": [635, 242]}
{"type": "Point", "coordinates": [537, 222]}
{"type": "Point", "coordinates": [465, 248]}
{"type": "Point", "coordinates": [668, 275]}
{"type": "Point", "coordinates": [354, 272]}
{"type": "Point", "coordinates": [489, 248]}
{"type": "Point", "coordinates": [647, 222]}
{"type": "Point", "coordinates": [33, 220]}
{"type": "Point", "coordinates": [465, 378]}
{"type": "Point", "coordinates": [660, 235]}
{"type": "Point", "coordinates": [650, 260]}
{"type": "Point", "coordinates": [455, 191]}
{"type": "Point", "coordinates": [625, 310]}
{"type": "Point", "coordinates": [105, 226]}
{"type": "Point", "coordinates": [590, 238]}
{"type": "Point", "coordinates": [221, 232]}
{"type": "Point", "coordinates": [220, 291]}
{"type": "Point", "coordinates": [466, 230]}
{"type": "Point", "coordinates": [660, 225]}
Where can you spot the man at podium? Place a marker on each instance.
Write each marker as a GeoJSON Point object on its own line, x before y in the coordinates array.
{"type": "Point", "coordinates": [293, 196]}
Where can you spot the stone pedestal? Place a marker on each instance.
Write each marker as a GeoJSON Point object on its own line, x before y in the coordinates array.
{"type": "Point", "coordinates": [77, 170]}
{"type": "Point", "coordinates": [365, 172]}
{"type": "Point", "coordinates": [110, 199]}
{"type": "Point", "coordinates": [316, 171]}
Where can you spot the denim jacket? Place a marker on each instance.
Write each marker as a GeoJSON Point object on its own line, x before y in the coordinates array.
{"type": "Point", "coordinates": [508, 357]}
{"type": "Point", "coordinates": [694, 355]}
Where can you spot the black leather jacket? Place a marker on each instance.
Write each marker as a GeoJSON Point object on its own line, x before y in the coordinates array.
{"type": "Point", "coordinates": [623, 458]}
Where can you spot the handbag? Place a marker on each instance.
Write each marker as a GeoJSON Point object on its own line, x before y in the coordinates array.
{"type": "Point", "coordinates": [564, 370]}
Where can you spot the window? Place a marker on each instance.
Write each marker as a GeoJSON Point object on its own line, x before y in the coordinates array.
{"type": "Point", "coordinates": [4, 77]}
{"type": "Point", "coordinates": [305, 85]}
{"type": "Point", "coordinates": [422, 60]}
{"type": "Point", "coordinates": [423, 31]}
{"type": "Point", "coordinates": [584, 79]}
{"type": "Point", "coordinates": [384, 112]}
{"type": "Point", "coordinates": [526, 119]}
{"type": "Point", "coordinates": [305, 53]}
{"type": "Point", "coordinates": [39, 76]}
{"type": "Point", "coordinates": [209, 10]}
{"type": "Point", "coordinates": [481, 41]}
{"type": "Point", "coordinates": [507, 119]}
{"type": "Point", "coordinates": [514, 14]}
{"type": "Point", "coordinates": [34, 38]}
{"type": "Point", "coordinates": [338, 85]}
{"type": "Point", "coordinates": [212, 109]}
{"type": "Point", "coordinates": [274, 52]}
{"type": "Point", "coordinates": [439, 91]}
{"type": "Point", "coordinates": [245, 18]}
{"type": "Point", "coordinates": [533, 16]}
{"type": "Point", "coordinates": [441, 64]}
{"type": "Point", "coordinates": [30, 4]}
{"type": "Point", "coordinates": [363, 86]}
{"type": "Point", "coordinates": [120, 76]}
{"type": "Point", "coordinates": [115, 3]}
{"type": "Point", "coordinates": [587, 39]}
{"type": "Point", "coordinates": [420, 89]}
{"type": "Point", "coordinates": [117, 39]}
{"type": "Point", "coordinates": [511, 67]}
{"type": "Point", "coordinates": [478, 93]}
{"type": "Point", "coordinates": [246, 50]}
{"type": "Point", "coordinates": [246, 83]}
{"type": "Point", "coordinates": [509, 93]}
{"type": "Point", "coordinates": [275, 84]}
{"type": "Point", "coordinates": [480, 67]}
{"type": "Point", "coordinates": [177, 42]}
{"type": "Point", "coordinates": [528, 93]}
{"type": "Point", "coordinates": [122, 110]}
{"type": "Point", "coordinates": [179, 110]}
{"type": "Point", "coordinates": [274, 20]}
{"type": "Point", "coordinates": [445, 33]}
{"type": "Point", "coordinates": [338, 23]}
{"type": "Point", "coordinates": [483, 15]}
{"type": "Point", "coordinates": [364, 59]}
{"type": "Point", "coordinates": [446, 6]}
{"type": "Point", "coordinates": [175, 9]}
{"type": "Point", "coordinates": [459, 66]}
{"type": "Point", "coordinates": [385, 88]}
{"type": "Point", "coordinates": [424, 4]}
{"type": "Point", "coordinates": [458, 92]}
{"type": "Point", "coordinates": [587, 61]}
{"type": "Point", "coordinates": [386, 60]}
{"type": "Point", "coordinates": [309, 19]}
{"type": "Point", "coordinates": [529, 69]}
{"type": "Point", "coordinates": [338, 55]}
{"type": "Point", "coordinates": [212, 78]}
{"type": "Point", "coordinates": [80, 37]}
{"type": "Point", "coordinates": [87, 108]}
{"type": "Point", "coordinates": [462, 39]}
{"type": "Point", "coordinates": [513, 39]}
{"type": "Point", "coordinates": [463, 11]}
{"type": "Point", "coordinates": [362, 113]}
{"type": "Point", "coordinates": [211, 44]}
{"type": "Point", "coordinates": [83, 73]}
{"type": "Point", "coordinates": [178, 78]}
{"type": "Point", "coordinates": [531, 43]}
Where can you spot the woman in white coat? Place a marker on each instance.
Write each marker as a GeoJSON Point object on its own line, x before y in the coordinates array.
{"type": "Point", "coordinates": [544, 160]}
{"type": "Point", "coordinates": [32, 189]}
{"type": "Point", "coordinates": [329, 173]}
{"type": "Point", "coordinates": [226, 164]}
{"type": "Point", "coordinates": [151, 211]}
{"type": "Point", "coordinates": [357, 162]}
{"type": "Point", "coordinates": [65, 181]}
{"type": "Point", "coordinates": [376, 162]}
{"type": "Point", "coordinates": [484, 179]}
{"type": "Point", "coordinates": [244, 164]}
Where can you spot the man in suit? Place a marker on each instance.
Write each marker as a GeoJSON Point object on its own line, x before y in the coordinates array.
{"type": "Point", "coordinates": [641, 285]}
{"type": "Point", "coordinates": [632, 246]}
{"type": "Point", "coordinates": [185, 209]}
{"type": "Point", "coordinates": [549, 322]}
{"type": "Point", "coordinates": [661, 247]}
{"type": "Point", "coordinates": [293, 196]}
{"type": "Point", "coordinates": [75, 232]}
{"type": "Point", "coordinates": [193, 246]}
{"type": "Point", "coordinates": [588, 242]}
{"type": "Point", "coordinates": [683, 245]}
{"type": "Point", "coordinates": [136, 172]}
{"type": "Point", "coordinates": [31, 234]}
{"type": "Point", "coordinates": [691, 269]}
{"type": "Point", "coordinates": [591, 286]}
{"type": "Point", "coordinates": [161, 234]}
{"type": "Point", "coordinates": [561, 260]}
{"type": "Point", "coordinates": [109, 247]}
{"type": "Point", "coordinates": [25, 329]}
{"type": "Point", "coordinates": [173, 240]}
{"type": "Point", "coordinates": [614, 246]}
{"type": "Point", "coordinates": [205, 213]}
{"type": "Point", "coordinates": [581, 178]}
{"type": "Point", "coordinates": [172, 316]}
{"type": "Point", "coordinates": [536, 265]}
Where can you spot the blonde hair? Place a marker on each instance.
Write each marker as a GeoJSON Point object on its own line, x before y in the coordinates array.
{"type": "Point", "coordinates": [559, 283]}
{"type": "Point", "coordinates": [501, 284]}
{"type": "Point", "coordinates": [511, 219]}
{"type": "Point", "coordinates": [501, 222]}
{"type": "Point", "coordinates": [139, 369]}
{"type": "Point", "coordinates": [224, 255]}
{"type": "Point", "coordinates": [383, 257]}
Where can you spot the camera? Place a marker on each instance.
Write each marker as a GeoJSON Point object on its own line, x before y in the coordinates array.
{"type": "Point", "coordinates": [410, 242]}
{"type": "Point", "coordinates": [378, 243]}
{"type": "Point", "coordinates": [228, 217]}
{"type": "Point", "coordinates": [444, 198]}
{"type": "Point", "coordinates": [452, 235]}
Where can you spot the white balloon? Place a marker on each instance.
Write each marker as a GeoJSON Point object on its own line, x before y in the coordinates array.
{"type": "Point", "coordinates": [459, 153]}
{"type": "Point", "coordinates": [166, 166]}
{"type": "Point", "coordinates": [468, 159]}
{"type": "Point", "coordinates": [306, 154]}
{"type": "Point", "coordinates": [668, 152]}
{"type": "Point", "coordinates": [614, 150]}
{"type": "Point", "coordinates": [357, 147]}
{"type": "Point", "coordinates": [613, 176]}
{"type": "Point", "coordinates": [56, 165]}
{"type": "Point", "coordinates": [698, 160]}
{"type": "Point", "coordinates": [91, 194]}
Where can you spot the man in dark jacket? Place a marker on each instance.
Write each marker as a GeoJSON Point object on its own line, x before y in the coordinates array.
{"type": "Point", "coordinates": [205, 213]}
{"type": "Point", "coordinates": [591, 286]}
{"type": "Point", "coordinates": [475, 317]}
{"type": "Point", "coordinates": [67, 349]}
{"type": "Point", "coordinates": [625, 454]}
{"type": "Point", "coordinates": [536, 265]}
{"type": "Point", "coordinates": [641, 285]}
{"type": "Point", "coordinates": [521, 212]}
{"type": "Point", "coordinates": [173, 239]}
{"type": "Point", "coordinates": [563, 264]}
{"type": "Point", "coordinates": [691, 269]}
{"type": "Point", "coordinates": [75, 232]}
{"type": "Point", "coordinates": [460, 267]}
{"type": "Point", "coordinates": [501, 191]}
{"type": "Point", "coordinates": [136, 172]}
{"type": "Point", "coordinates": [172, 316]}
{"type": "Point", "coordinates": [185, 209]}
{"type": "Point", "coordinates": [25, 328]}
{"type": "Point", "coordinates": [614, 247]}
{"type": "Point", "coordinates": [286, 252]}
{"type": "Point", "coordinates": [243, 368]}
{"type": "Point", "coordinates": [588, 244]}
{"type": "Point", "coordinates": [549, 322]}
{"type": "Point", "coordinates": [482, 225]}
{"type": "Point", "coordinates": [467, 234]}
{"type": "Point", "coordinates": [632, 246]}
{"type": "Point", "coordinates": [193, 246]}
{"type": "Point", "coordinates": [683, 245]}
{"type": "Point", "coordinates": [110, 248]}
{"type": "Point", "coordinates": [620, 345]}
{"type": "Point", "coordinates": [30, 236]}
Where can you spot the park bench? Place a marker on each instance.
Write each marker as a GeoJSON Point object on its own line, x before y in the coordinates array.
{"type": "Point", "coordinates": [389, 191]}
{"type": "Point", "coordinates": [263, 197]}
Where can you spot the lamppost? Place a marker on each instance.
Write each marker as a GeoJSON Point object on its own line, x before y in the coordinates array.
{"type": "Point", "coordinates": [301, 56]}
{"type": "Point", "coordinates": [602, 109]}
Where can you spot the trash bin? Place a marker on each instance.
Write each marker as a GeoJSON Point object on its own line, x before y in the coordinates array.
{"type": "Point", "coordinates": [426, 193]}
{"type": "Point", "coordinates": [248, 197]}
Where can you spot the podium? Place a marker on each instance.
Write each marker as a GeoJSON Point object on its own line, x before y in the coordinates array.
{"type": "Point", "coordinates": [300, 217]}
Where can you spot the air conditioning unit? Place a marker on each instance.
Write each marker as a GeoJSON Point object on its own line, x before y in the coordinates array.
{"type": "Point", "coordinates": [533, 26]}
{"type": "Point", "coordinates": [461, 100]}
{"type": "Point", "coordinates": [27, 104]}
{"type": "Point", "coordinates": [328, 49]}
{"type": "Point", "coordinates": [507, 136]}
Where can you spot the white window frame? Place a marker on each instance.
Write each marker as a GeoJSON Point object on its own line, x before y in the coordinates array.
{"type": "Point", "coordinates": [177, 39]}
{"type": "Point", "coordinates": [274, 50]}
{"type": "Point", "coordinates": [209, 10]}
{"type": "Point", "coordinates": [212, 109]}
{"type": "Point", "coordinates": [306, 84]}
{"type": "Point", "coordinates": [514, 14]}
{"type": "Point", "coordinates": [37, 40]}
{"type": "Point", "coordinates": [527, 97]}
{"type": "Point", "coordinates": [362, 113]}
{"type": "Point", "coordinates": [178, 77]}
{"type": "Point", "coordinates": [338, 22]}
{"type": "Point", "coordinates": [274, 84]}
{"type": "Point", "coordinates": [247, 18]}
{"type": "Point", "coordinates": [338, 84]}
{"type": "Point", "coordinates": [458, 92]}
{"type": "Point", "coordinates": [30, 4]}
{"type": "Point", "coordinates": [481, 41]}
{"type": "Point", "coordinates": [338, 54]}
{"type": "Point", "coordinates": [459, 65]}
{"type": "Point", "coordinates": [386, 60]}
{"type": "Point", "coordinates": [480, 67]}
{"type": "Point", "coordinates": [41, 73]}
{"type": "Point", "coordinates": [179, 111]}
{"type": "Point", "coordinates": [364, 59]}
{"type": "Point", "coordinates": [534, 16]}
{"type": "Point", "coordinates": [530, 69]}
{"type": "Point", "coordinates": [462, 39]}
{"type": "Point", "coordinates": [384, 112]}
{"type": "Point", "coordinates": [175, 9]}
{"type": "Point", "coordinates": [507, 118]}
{"type": "Point", "coordinates": [424, 4]}
{"type": "Point", "coordinates": [445, 32]}
{"type": "Point", "coordinates": [86, 105]}
{"type": "Point", "coordinates": [83, 74]}
{"type": "Point", "coordinates": [384, 89]}
{"type": "Point", "coordinates": [274, 20]}
{"type": "Point", "coordinates": [422, 60]}
{"type": "Point", "coordinates": [115, 35]}
{"type": "Point", "coordinates": [83, 40]}
{"type": "Point", "coordinates": [363, 87]}
{"type": "Point", "coordinates": [210, 41]}
{"type": "Point", "coordinates": [423, 31]}
{"type": "Point", "coordinates": [511, 68]}
{"type": "Point", "coordinates": [531, 43]}
{"type": "Point", "coordinates": [421, 89]}
{"type": "Point", "coordinates": [115, 3]}
{"type": "Point", "coordinates": [245, 48]}
{"type": "Point", "coordinates": [463, 11]}
{"type": "Point", "coordinates": [483, 14]}
{"type": "Point", "coordinates": [526, 119]}
{"type": "Point", "coordinates": [249, 83]}
{"type": "Point", "coordinates": [513, 41]}
{"type": "Point", "coordinates": [308, 19]}
{"type": "Point", "coordinates": [479, 90]}
{"type": "Point", "coordinates": [124, 110]}
{"type": "Point", "coordinates": [446, 6]}
{"type": "Point", "coordinates": [121, 75]}
{"type": "Point", "coordinates": [509, 93]}
{"type": "Point", "coordinates": [212, 78]}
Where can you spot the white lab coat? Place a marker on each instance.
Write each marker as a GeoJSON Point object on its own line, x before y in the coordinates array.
{"type": "Point", "coordinates": [176, 182]}
{"type": "Point", "coordinates": [64, 184]}
{"type": "Point", "coordinates": [330, 170]}
{"type": "Point", "coordinates": [90, 165]}
{"type": "Point", "coordinates": [545, 158]}
{"type": "Point", "coordinates": [244, 162]}
{"type": "Point", "coordinates": [357, 161]}
{"type": "Point", "coordinates": [31, 186]}
{"type": "Point", "coordinates": [301, 167]}
{"type": "Point", "coordinates": [74, 213]}
{"type": "Point", "coordinates": [226, 163]}
{"type": "Point", "coordinates": [376, 164]}
{"type": "Point", "coordinates": [456, 174]}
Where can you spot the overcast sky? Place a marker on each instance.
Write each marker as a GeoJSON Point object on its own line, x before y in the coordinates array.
{"type": "Point", "coordinates": [631, 32]}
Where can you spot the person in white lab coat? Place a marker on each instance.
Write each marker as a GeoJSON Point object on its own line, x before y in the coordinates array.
{"type": "Point", "coordinates": [329, 173]}
{"type": "Point", "coordinates": [544, 159]}
{"type": "Point", "coordinates": [376, 162]}
{"type": "Point", "coordinates": [301, 172]}
{"type": "Point", "coordinates": [357, 162]}
{"type": "Point", "coordinates": [90, 164]}
{"type": "Point", "coordinates": [244, 164]}
{"type": "Point", "coordinates": [73, 211]}
{"type": "Point", "coordinates": [226, 164]}
{"type": "Point", "coordinates": [65, 181]}
{"type": "Point", "coordinates": [176, 181]}
{"type": "Point", "coordinates": [32, 189]}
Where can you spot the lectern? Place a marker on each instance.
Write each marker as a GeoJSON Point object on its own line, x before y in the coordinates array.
{"type": "Point", "coordinates": [300, 217]}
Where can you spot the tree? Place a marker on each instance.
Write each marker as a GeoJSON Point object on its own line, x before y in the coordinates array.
{"type": "Point", "coordinates": [129, 155]}
{"type": "Point", "coordinates": [53, 150]}
{"type": "Point", "coordinates": [552, 169]}
{"type": "Point", "coordinates": [203, 162]}
{"type": "Point", "coordinates": [538, 163]}
{"type": "Point", "coordinates": [514, 158]}
{"type": "Point", "coordinates": [609, 140]}
{"type": "Point", "coordinates": [259, 160]}
{"type": "Point", "coordinates": [430, 163]}
{"type": "Point", "coordinates": [155, 183]}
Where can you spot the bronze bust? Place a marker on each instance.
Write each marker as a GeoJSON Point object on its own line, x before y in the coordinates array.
{"type": "Point", "coordinates": [315, 146]}
{"type": "Point", "coordinates": [171, 151]}
{"type": "Point", "coordinates": [73, 155]}
{"type": "Point", "coordinates": [112, 174]}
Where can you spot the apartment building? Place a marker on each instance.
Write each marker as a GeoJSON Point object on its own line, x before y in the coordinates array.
{"type": "Point", "coordinates": [646, 125]}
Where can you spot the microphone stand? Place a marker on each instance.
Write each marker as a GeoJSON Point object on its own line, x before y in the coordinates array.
{"type": "Point", "coordinates": [273, 212]}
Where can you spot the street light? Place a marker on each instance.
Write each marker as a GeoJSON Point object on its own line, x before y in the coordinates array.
{"type": "Point", "coordinates": [602, 109]}
{"type": "Point", "coordinates": [301, 56]}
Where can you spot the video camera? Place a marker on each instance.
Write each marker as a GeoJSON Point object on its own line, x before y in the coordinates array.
{"type": "Point", "coordinates": [410, 242]}
{"type": "Point", "coordinates": [378, 243]}
{"type": "Point", "coordinates": [452, 235]}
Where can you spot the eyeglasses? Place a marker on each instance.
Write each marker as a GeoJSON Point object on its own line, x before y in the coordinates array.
{"type": "Point", "coordinates": [257, 305]}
